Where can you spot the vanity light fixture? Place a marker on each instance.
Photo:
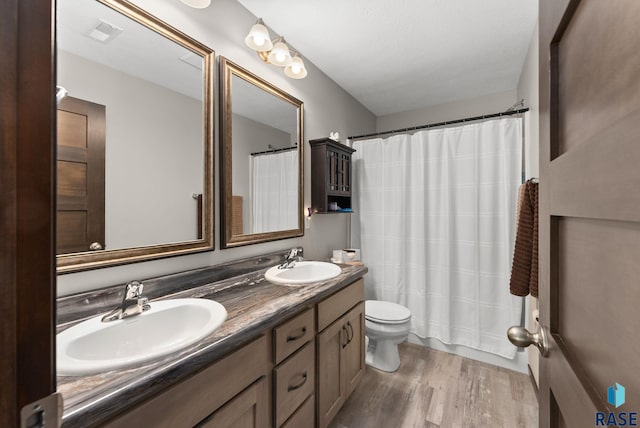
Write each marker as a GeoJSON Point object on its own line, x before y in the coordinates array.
{"type": "Point", "coordinates": [296, 70]}
{"type": "Point", "coordinates": [280, 54]}
{"type": "Point", "coordinates": [198, 4]}
{"type": "Point", "coordinates": [275, 52]}
{"type": "Point", "coordinates": [258, 38]}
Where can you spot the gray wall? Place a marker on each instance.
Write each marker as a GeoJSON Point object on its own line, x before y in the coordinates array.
{"type": "Point", "coordinates": [528, 89]}
{"type": "Point", "coordinates": [327, 107]}
{"type": "Point", "coordinates": [460, 109]}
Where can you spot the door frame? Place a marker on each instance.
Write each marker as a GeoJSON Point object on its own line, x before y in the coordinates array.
{"type": "Point", "coordinates": [27, 226]}
{"type": "Point", "coordinates": [549, 15]}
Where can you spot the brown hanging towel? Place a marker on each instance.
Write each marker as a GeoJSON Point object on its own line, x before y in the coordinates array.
{"type": "Point", "coordinates": [524, 271]}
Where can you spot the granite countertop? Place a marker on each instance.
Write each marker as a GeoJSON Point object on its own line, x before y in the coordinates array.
{"type": "Point", "coordinates": [253, 305]}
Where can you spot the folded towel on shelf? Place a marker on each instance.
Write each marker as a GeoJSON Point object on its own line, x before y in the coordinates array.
{"type": "Point", "coordinates": [524, 270]}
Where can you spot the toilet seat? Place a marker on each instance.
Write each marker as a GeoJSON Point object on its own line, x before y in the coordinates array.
{"type": "Point", "coordinates": [386, 312]}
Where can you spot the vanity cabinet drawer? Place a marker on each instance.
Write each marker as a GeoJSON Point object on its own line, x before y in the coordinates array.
{"type": "Point", "coordinates": [333, 307]}
{"type": "Point", "coordinates": [291, 335]}
{"type": "Point", "coordinates": [294, 381]}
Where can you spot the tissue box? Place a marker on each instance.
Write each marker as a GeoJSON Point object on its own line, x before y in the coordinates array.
{"type": "Point", "coordinates": [350, 254]}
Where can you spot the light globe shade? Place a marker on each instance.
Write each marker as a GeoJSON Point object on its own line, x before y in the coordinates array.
{"type": "Point", "coordinates": [258, 38]}
{"type": "Point", "coordinates": [296, 70]}
{"type": "Point", "coordinates": [280, 55]}
{"type": "Point", "coordinates": [198, 4]}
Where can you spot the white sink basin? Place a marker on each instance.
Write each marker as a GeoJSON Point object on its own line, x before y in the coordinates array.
{"type": "Point", "coordinates": [303, 273]}
{"type": "Point", "coordinates": [94, 346]}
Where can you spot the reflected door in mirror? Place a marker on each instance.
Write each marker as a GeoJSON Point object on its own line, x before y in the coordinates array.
{"type": "Point", "coordinates": [80, 163]}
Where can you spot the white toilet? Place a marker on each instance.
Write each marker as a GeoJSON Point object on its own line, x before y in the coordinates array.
{"type": "Point", "coordinates": [386, 325]}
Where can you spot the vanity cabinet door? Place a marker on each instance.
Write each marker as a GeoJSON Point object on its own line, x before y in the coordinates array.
{"type": "Point", "coordinates": [247, 410]}
{"type": "Point", "coordinates": [193, 400]}
{"type": "Point", "coordinates": [331, 386]}
{"type": "Point", "coordinates": [341, 352]}
{"type": "Point", "coordinates": [354, 352]}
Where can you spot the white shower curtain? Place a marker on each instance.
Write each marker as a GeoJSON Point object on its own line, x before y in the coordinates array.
{"type": "Point", "coordinates": [274, 191]}
{"type": "Point", "coordinates": [435, 221]}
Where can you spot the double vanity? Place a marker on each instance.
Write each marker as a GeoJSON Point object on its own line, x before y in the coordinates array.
{"type": "Point", "coordinates": [236, 344]}
{"type": "Point", "coordinates": [288, 354]}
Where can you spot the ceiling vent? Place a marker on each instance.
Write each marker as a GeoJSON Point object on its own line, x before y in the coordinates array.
{"type": "Point", "coordinates": [104, 31]}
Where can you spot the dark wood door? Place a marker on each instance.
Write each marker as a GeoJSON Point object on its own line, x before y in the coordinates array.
{"type": "Point", "coordinates": [27, 165]}
{"type": "Point", "coordinates": [589, 209]}
{"type": "Point", "coordinates": [80, 189]}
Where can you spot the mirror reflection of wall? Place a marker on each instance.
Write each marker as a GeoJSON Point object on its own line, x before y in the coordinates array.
{"type": "Point", "coordinates": [152, 92]}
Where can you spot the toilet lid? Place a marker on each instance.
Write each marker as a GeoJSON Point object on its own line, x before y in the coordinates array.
{"type": "Point", "coordinates": [386, 312]}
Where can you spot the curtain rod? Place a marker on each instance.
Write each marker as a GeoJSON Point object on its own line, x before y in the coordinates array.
{"type": "Point", "coordinates": [449, 122]}
{"type": "Point", "coordinates": [284, 149]}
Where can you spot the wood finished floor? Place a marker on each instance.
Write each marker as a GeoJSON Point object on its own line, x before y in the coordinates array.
{"type": "Point", "coordinates": [436, 389]}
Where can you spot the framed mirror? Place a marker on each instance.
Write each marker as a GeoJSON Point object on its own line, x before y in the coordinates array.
{"type": "Point", "coordinates": [261, 158]}
{"type": "Point", "coordinates": [134, 137]}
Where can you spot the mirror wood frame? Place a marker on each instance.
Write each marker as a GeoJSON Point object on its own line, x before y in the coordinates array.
{"type": "Point", "coordinates": [74, 262]}
{"type": "Point", "coordinates": [229, 69]}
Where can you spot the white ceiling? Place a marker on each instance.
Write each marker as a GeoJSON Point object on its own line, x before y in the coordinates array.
{"type": "Point", "coordinates": [396, 56]}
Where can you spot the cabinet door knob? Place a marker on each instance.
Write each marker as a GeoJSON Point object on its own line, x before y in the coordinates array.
{"type": "Point", "coordinates": [350, 330]}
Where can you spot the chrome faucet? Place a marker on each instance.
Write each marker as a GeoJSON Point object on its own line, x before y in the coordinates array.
{"type": "Point", "coordinates": [290, 259]}
{"type": "Point", "coordinates": [132, 304]}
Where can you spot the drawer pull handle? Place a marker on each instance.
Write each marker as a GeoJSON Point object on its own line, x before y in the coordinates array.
{"type": "Point", "coordinates": [300, 336]}
{"type": "Point", "coordinates": [299, 385]}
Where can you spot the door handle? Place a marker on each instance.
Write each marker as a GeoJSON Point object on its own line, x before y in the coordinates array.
{"type": "Point", "coordinates": [95, 246]}
{"type": "Point", "coordinates": [521, 337]}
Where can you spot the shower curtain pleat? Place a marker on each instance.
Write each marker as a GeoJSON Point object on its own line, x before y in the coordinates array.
{"type": "Point", "coordinates": [435, 221]}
